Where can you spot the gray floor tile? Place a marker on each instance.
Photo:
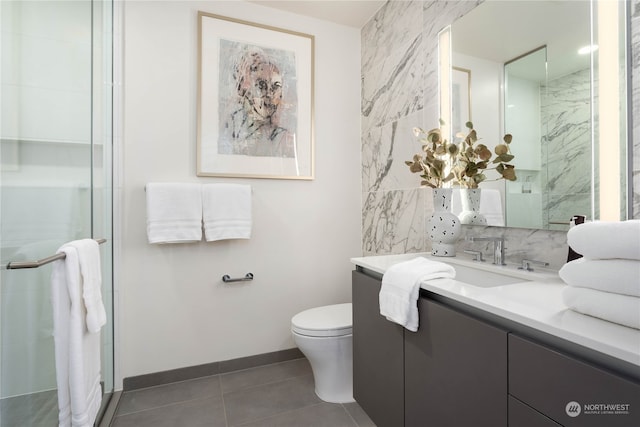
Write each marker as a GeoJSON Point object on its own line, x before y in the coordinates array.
{"type": "Point", "coordinates": [34, 410]}
{"type": "Point", "coordinates": [208, 412]}
{"type": "Point", "coordinates": [264, 374]}
{"type": "Point", "coordinates": [281, 394]}
{"type": "Point", "coordinates": [153, 397]}
{"type": "Point", "coordinates": [267, 400]}
{"type": "Point", "coordinates": [321, 415]}
{"type": "Point", "coordinates": [358, 414]}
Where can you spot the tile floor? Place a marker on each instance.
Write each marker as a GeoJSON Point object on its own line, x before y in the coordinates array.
{"type": "Point", "coordinates": [30, 410]}
{"type": "Point", "coordinates": [279, 395]}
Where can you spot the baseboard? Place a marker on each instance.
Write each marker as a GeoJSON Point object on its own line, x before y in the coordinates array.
{"type": "Point", "coordinates": [208, 369]}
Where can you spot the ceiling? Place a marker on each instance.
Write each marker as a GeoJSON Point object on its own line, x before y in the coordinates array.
{"type": "Point", "coordinates": [352, 13]}
{"type": "Point", "coordinates": [501, 31]}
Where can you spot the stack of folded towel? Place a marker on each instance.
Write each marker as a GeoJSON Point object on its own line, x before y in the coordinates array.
{"type": "Point", "coordinates": [605, 283]}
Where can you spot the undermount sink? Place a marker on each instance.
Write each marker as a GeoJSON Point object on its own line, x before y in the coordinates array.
{"type": "Point", "coordinates": [483, 278]}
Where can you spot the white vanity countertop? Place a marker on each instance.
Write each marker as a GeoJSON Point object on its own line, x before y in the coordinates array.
{"type": "Point", "coordinates": [536, 302]}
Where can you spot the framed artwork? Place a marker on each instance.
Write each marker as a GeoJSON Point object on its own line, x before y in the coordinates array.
{"type": "Point", "coordinates": [460, 98]}
{"type": "Point", "coordinates": [255, 100]}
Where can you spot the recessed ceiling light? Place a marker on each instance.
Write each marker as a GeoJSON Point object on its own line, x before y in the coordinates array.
{"type": "Point", "coordinates": [588, 49]}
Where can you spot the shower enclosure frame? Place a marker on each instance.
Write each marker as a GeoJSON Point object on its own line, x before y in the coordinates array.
{"type": "Point", "coordinates": [102, 26]}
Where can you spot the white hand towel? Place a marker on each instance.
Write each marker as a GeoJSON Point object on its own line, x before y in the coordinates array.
{"type": "Point", "coordinates": [616, 308]}
{"type": "Point", "coordinates": [491, 207]}
{"type": "Point", "coordinates": [174, 212]}
{"type": "Point", "coordinates": [606, 240]}
{"type": "Point", "coordinates": [77, 350]}
{"type": "Point", "coordinates": [226, 211]}
{"type": "Point", "coordinates": [620, 276]}
{"type": "Point", "coordinates": [89, 258]}
{"type": "Point", "coordinates": [401, 287]}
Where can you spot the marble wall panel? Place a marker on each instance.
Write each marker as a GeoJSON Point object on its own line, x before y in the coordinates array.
{"type": "Point", "coordinates": [384, 152]}
{"type": "Point", "coordinates": [388, 34]}
{"type": "Point", "coordinates": [566, 146]}
{"type": "Point", "coordinates": [391, 91]}
{"type": "Point", "coordinates": [393, 222]}
{"type": "Point", "coordinates": [561, 207]}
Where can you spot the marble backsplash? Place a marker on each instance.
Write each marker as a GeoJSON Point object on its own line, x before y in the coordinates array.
{"type": "Point", "coordinates": [400, 91]}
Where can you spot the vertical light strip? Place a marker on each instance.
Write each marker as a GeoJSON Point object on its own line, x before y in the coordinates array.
{"type": "Point", "coordinates": [609, 111]}
{"type": "Point", "coordinates": [444, 71]}
{"type": "Point", "coordinates": [593, 104]}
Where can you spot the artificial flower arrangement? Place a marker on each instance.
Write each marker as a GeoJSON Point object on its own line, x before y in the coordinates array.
{"type": "Point", "coordinates": [432, 162]}
{"type": "Point", "coordinates": [468, 160]}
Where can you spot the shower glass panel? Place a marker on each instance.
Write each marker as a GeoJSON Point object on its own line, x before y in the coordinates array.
{"type": "Point", "coordinates": [55, 183]}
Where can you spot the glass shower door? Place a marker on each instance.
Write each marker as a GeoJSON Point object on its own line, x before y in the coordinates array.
{"type": "Point", "coordinates": [55, 183]}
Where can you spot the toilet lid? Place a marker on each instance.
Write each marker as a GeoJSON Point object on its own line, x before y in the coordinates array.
{"type": "Point", "coordinates": [328, 321]}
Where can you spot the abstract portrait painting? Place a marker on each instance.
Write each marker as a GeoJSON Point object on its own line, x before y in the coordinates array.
{"type": "Point", "coordinates": [255, 100]}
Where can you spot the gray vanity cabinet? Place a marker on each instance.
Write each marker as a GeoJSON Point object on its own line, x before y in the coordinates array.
{"type": "Point", "coordinates": [455, 370]}
{"type": "Point", "coordinates": [378, 354]}
{"type": "Point", "coordinates": [570, 391]}
{"type": "Point", "coordinates": [465, 367]}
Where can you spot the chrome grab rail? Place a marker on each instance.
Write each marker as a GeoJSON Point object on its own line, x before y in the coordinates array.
{"type": "Point", "coordinates": [17, 265]}
{"type": "Point", "coordinates": [227, 279]}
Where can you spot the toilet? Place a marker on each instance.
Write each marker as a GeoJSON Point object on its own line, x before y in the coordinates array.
{"type": "Point", "coordinates": [324, 335]}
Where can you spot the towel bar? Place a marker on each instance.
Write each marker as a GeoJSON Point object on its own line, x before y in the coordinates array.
{"type": "Point", "coordinates": [226, 278]}
{"type": "Point", "coordinates": [17, 265]}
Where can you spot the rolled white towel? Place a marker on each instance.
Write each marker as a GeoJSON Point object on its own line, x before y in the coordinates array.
{"type": "Point", "coordinates": [606, 240]}
{"type": "Point", "coordinates": [620, 276]}
{"type": "Point", "coordinates": [616, 308]}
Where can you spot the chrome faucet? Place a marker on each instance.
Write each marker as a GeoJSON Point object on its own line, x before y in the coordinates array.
{"type": "Point", "coordinates": [477, 255]}
{"type": "Point", "coordinates": [498, 247]}
{"type": "Point", "coordinates": [526, 264]}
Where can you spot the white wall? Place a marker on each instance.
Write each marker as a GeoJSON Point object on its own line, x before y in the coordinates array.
{"type": "Point", "coordinates": [174, 309]}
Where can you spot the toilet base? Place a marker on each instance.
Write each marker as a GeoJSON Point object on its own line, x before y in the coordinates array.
{"type": "Point", "coordinates": [331, 360]}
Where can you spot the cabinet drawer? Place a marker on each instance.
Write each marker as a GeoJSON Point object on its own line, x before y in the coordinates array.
{"type": "Point", "coordinates": [521, 415]}
{"type": "Point", "coordinates": [455, 370]}
{"type": "Point", "coordinates": [558, 385]}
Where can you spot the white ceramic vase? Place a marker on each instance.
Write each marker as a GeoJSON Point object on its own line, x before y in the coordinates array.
{"type": "Point", "coordinates": [443, 228]}
{"type": "Point", "coordinates": [470, 200]}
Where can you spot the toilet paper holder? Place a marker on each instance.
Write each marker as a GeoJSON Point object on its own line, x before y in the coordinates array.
{"type": "Point", "coordinates": [227, 279]}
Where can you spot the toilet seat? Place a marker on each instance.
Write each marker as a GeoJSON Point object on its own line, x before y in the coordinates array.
{"type": "Point", "coordinates": [328, 321]}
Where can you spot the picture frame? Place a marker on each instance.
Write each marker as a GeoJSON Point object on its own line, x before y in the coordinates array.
{"type": "Point", "coordinates": [460, 98]}
{"type": "Point", "coordinates": [255, 100]}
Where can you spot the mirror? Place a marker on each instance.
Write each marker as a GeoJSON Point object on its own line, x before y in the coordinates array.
{"type": "Point", "coordinates": [515, 68]}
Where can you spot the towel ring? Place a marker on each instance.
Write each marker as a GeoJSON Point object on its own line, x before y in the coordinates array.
{"type": "Point", "coordinates": [247, 277]}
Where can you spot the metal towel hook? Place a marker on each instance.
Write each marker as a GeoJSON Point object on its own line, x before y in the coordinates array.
{"type": "Point", "coordinates": [227, 279]}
